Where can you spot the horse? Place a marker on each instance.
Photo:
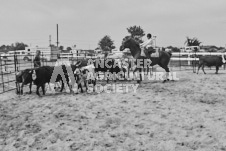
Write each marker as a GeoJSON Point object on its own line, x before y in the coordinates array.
{"type": "Point", "coordinates": [134, 47]}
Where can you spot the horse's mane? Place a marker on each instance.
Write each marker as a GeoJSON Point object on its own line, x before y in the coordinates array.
{"type": "Point", "coordinates": [129, 38]}
{"type": "Point", "coordinates": [137, 43]}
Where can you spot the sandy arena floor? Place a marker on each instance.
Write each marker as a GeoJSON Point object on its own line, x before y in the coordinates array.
{"type": "Point", "coordinates": [184, 115]}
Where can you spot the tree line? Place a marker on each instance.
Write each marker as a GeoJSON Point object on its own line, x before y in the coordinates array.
{"type": "Point", "coordinates": [106, 44]}
{"type": "Point", "coordinates": [14, 46]}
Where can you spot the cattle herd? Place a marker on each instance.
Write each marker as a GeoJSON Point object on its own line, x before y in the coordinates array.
{"type": "Point", "coordinates": [79, 71]}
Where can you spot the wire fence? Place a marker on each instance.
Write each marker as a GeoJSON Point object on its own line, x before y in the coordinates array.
{"type": "Point", "coordinates": [10, 65]}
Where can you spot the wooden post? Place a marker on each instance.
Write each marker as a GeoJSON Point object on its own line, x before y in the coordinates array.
{"type": "Point", "coordinates": [6, 67]}
{"type": "Point", "coordinates": [189, 61]}
{"type": "Point", "coordinates": [1, 64]}
{"type": "Point", "coordinates": [210, 66]}
{"type": "Point", "coordinates": [179, 60]}
{"type": "Point", "coordinates": [42, 58]}
{"type": "Point", "coordinates": [224, 55]}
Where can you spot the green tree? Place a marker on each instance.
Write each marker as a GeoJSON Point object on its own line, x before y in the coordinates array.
{"type": "Point", "coordinates": [192, 41]}
{"type": "Point", "coordinates": [5, 48]}
{"type": "Point", "coordinates": [69, 48]}
{"type": "Point", "coordinates": [61, 48]}
{"type": "Point", "coordinates": [16, 46]}
{"type": "Point", "coordinates": [136, 32]}
{"type": "Point", "coordinates": [106, 44]}
{"type": "Point", "coordinates": [174, 49]}
{"type": "Point", "coordinates": [20, 46]}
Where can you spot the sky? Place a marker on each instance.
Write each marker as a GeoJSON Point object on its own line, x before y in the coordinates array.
{"type": "Point", "coordinates": [84, 22]}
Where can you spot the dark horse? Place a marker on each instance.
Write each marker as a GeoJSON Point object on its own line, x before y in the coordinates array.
{"type": "Point", "coordinates": [162, 60]}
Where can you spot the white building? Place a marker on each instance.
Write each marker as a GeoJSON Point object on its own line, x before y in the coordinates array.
{"type": "Point", "coordinates": [190, 48]}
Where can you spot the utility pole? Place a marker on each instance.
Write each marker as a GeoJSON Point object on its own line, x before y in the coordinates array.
{"type": "Point", "coordinates": [57, 36]}
{"type": "Point", "coordinates": [50, 40]}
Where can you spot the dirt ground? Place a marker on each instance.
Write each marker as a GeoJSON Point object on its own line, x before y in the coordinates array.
{"type": "Point", "coordinates": [184, 115]}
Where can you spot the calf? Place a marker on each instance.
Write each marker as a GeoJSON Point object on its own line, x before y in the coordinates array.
{"type": "Point", "coordinates": [24, 77]}
{"type": "Point", "coordinates": [85, 75]}
{"type": "Point", "coordinates": [211, 61]}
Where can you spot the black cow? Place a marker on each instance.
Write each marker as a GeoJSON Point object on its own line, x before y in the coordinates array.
{"type": "Point", "coordinates": [209, 61]}
{"type": "Point", "coordinates": [44, 74]}
{"type": "Point", "coordinates": [82, 63]}
{"type": "Point", "coordinates": [107, 65]}
{"type": "Point", "coordinates": [102, 65]}
{"type": "Point", "coordinates": [24, 77]}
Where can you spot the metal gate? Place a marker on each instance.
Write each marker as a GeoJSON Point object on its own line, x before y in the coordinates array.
{"type": "Point", "coordinates": [7, 74]}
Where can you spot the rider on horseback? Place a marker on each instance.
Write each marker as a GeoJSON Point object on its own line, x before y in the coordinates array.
{"type": "Point", "coordinates": [147, 47]}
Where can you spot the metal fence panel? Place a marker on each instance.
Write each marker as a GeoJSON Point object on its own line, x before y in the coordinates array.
{"type": "Point", "coordinates": [13, 64]}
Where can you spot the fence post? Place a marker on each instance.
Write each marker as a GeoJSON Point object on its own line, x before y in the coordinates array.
{"type": "Point", "coordinates": [15, 62]}
{"type": "Point", "coordinates": [1, 64]}
{"type": "Point", "coordinates": [32, 60]}
{"type": "Point", "coordinates": [179, 60]}
{"type": "Point", "coordinates": [170, 65]}
{"type": "Point", "coordinates": [195, 60]}
{"type": "Point", "coordinates": [6, 68]}
{"type": "Point", "coordinates": [210, 55]}
{"type": "Point", "coordinates": [189, 61]}
{"type": "Point", "coordinates": [16, 69]}
{"type": "Point", "coordinates": [223, 56]}
{"type": "Point", "coordinates": [42, 59]}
